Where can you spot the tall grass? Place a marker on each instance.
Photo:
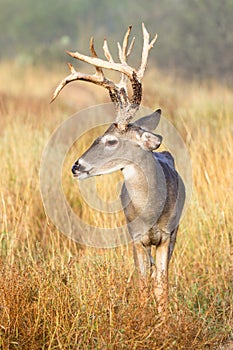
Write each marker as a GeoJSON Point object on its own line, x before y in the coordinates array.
{"type": "Point", "coordinates": [55, 294]}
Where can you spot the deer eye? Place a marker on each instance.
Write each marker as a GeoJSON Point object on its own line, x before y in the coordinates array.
{"type": "Point", "coordinates": [111, 143]}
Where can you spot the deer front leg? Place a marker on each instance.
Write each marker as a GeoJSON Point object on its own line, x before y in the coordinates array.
{"type": "Point", "coordinates": [141, 260]}
{"type": "Point", "coordinates": [161, 275]}
{"type": "Point", "coordinates": [143, 268]}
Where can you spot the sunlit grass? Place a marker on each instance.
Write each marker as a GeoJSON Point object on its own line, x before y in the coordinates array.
{"type": "Point", "coordinates": [56, 294]}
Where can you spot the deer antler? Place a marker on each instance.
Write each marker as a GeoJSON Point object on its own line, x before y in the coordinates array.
{"type": "Point", "coordinates": [126, 107]}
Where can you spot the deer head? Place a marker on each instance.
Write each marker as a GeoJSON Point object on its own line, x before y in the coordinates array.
{"type": "Point", "coordinates": [117, 146]}
{"type": "Point", "coordinates": [114, 150]}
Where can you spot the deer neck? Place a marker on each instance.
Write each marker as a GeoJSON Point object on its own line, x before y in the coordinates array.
{"type": "Point", "coordinates": [142, 181]}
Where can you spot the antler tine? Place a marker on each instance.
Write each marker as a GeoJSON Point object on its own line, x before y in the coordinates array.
{"type": "Point", "coordinates": [147, 46]}
{"type": "Point", "coordinates": [92, 48]}
{"type": "Point", "coordinates": [107, 52]}
{"type": "Point", "coordinates": [130, 47]}
{"type": "Point", "coordinates": [99, 70]}
{"type": "Point", "coordinates": [125, 42]}
{"type": "Point", "coordinates": [122, 57]}
{"type": "Point", "coordinates": [124, 53]}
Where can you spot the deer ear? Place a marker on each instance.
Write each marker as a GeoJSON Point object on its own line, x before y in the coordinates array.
{"type": "Point", "coordinates": [149, 141]}
{"type": "Point", "coordinates": [150, 122]}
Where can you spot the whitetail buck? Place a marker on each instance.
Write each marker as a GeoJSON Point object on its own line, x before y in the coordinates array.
{"type": "Point", "coordinates": [153, 193]}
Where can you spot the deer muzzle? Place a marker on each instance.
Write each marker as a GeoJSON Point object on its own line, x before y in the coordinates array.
{"type": "Point", "coordinates": [80, 171]}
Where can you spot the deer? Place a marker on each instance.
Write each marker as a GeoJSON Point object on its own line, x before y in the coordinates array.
{"type": "Point", "coordinates": [153, 193]}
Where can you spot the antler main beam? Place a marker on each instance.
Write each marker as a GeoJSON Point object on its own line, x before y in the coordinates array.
{"type": "Point", "coordinates": [126, 107]}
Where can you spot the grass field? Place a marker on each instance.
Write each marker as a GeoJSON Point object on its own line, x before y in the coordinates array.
{"type": "Point", "coordinates": [55, 294]}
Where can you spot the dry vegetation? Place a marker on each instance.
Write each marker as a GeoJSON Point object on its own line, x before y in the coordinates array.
{"type": "Point", "coordinates": [56, 295]}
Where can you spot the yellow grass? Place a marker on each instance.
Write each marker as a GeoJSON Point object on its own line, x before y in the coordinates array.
{"type": "Point", "coordinates": [55, 294]}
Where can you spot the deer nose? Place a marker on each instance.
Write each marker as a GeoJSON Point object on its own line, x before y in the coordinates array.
{"type": "Point", "coordinates": [77, 168]}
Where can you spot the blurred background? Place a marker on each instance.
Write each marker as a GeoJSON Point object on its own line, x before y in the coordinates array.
{"type": "Point", "coordinates": [194, 37]}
